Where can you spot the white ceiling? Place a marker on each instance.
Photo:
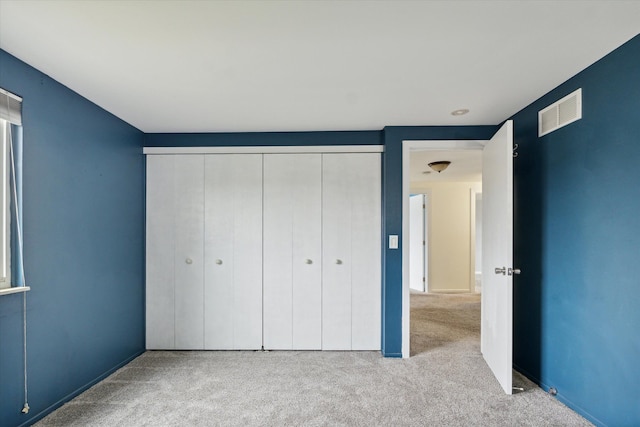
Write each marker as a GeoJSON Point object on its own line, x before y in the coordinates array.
{"type": "Point", "coordinates": [466, 166]}
{"type": "Point", "coordinates": [207, 66]}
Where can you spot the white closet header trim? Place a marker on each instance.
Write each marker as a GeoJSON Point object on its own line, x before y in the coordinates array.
{"type": "Point", "coordinates": [267, 149]}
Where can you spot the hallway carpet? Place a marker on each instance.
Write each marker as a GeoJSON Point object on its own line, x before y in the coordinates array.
{"type": "Point", "coordinates": [444, 383]}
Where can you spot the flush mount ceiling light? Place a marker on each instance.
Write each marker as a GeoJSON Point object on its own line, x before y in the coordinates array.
{"type": "Point", "coordinates": [460, 112]}
{"type": "Point", "coordinates": [439, 166]}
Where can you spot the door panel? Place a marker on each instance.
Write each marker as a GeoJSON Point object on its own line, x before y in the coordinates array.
{"type": "Point", "coordinates": [160, 267]}
{"type": "Point", "coordinates": [189, 278]}
{"type": "Point", "coordinates": [336, 253]}
{"type": "Point", "coordinates": [497, 252]}
{"type": "Point", "coordinates": [247, 251]}
{"type": "Point", "coordinates": [416, 243]}
{"type": "Point", "coordinates": [351, 251]}
{"type": "Point", "coordinates": [365, 251]}
{"type": "Point", "coordinates": [233, 252]}
{"type": "Point", "coordinates": [292, 251]}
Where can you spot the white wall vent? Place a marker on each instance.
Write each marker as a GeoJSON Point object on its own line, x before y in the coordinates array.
{"type": "Point", "coordinates": [560, 113]}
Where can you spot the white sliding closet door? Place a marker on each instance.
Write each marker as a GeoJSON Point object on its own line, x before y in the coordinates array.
{"type": "Point", "coordinates": [174, 252]}
{"type": "Point", "coordinates": [189, 278]}
{"type": "Point", "coordinates": [233, 252]}
{"type": "Point", "coordinates": [292, 251]}
{"type": "Point", "coordinates": [351, 215]}
{"type": "Point", "coordinates": [274, 250]}
{"type": "Point", "coordinates": [160, 267]}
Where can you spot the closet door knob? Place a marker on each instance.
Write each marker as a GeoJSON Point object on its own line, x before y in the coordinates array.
{"type": "Point", "coordinates": [338, 261]}
{"type": "Point", "coordinates": [219, 261]}
{"type": "Point", "coordinates": [308, 261]}
{"type": "Point", "coordinates": [188, 261]}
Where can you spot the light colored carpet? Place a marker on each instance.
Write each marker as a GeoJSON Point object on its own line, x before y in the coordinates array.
{"type": "Point", "coordinates": [445, 383]}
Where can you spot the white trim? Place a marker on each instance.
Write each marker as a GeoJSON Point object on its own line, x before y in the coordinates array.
{"type": "Point", "coordinates": [472, 240]}
{"type": "Point", "coordinates": [426, 145]}
{"type": "Point", "coordinates": [407, 147]}
{"type": "Point", "coordinates": [5, 203]}
{"type": "Point", "coordinates": [14, 290]}
{"type": "Point", "coordinates": [450, 291]}
{"type": "Point", "coordinates": [267, 149]}
{"type": "Point", "coordinates": [9, 94]}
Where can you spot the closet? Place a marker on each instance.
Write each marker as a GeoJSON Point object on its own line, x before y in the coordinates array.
{"type": "Point", "coordinates": [263, 249]}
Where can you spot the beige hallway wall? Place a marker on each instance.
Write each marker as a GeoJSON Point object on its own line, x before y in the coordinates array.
{"type": "Point", "coordinates": [450, 234]}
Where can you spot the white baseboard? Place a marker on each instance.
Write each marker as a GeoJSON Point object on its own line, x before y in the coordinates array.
{"type": "Point", "coordinates": [450, 291]}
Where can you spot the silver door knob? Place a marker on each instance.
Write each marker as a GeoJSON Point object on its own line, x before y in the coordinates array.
{"type": "Point", "coordinates": [338, 261]}
{"type": "Point", "coordinates": [513, 271]}
{"type": "Point", "coordinates": [188, 261]}
{"type": "Point", "coordinates": [308, 261]}
{"type": "Point", "coordinates": [502, 270]}
{"type": "Point", "coordinates": [219, 261]}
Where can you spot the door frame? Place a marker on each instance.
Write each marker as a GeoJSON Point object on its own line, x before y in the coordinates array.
{"type": "Point", "coordinates": [407, 147]}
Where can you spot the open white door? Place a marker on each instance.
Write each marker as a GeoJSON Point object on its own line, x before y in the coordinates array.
{"type": "Point", "coordinates": [416, 243]}
{"type": "Point", "coordinates": [497, 255]}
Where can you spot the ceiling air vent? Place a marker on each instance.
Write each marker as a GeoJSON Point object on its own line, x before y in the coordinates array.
{"type": "Point", "coordinates": [560, 113]}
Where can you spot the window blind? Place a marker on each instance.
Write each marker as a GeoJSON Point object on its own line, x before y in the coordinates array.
{"type": "Point", "coordinates": [10, 107]}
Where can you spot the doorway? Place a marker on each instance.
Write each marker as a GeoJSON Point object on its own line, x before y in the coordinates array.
{"type": "Point", "coordinates": [496, 332]}
{"type": "Point", "coordinates": [439, 280]}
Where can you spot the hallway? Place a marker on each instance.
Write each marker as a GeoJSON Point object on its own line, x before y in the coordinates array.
{"type": "Point", "coordinates": [444, 320]}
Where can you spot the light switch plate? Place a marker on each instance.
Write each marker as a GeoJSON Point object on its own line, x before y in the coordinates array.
{"type": "Point", "coordinates": [393, 241]}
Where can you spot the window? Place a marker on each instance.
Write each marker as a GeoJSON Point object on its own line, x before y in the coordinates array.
{"type": "Point", "coordinates": [5, 214]}
{"type": "Point", "coordinates": [10, 140]}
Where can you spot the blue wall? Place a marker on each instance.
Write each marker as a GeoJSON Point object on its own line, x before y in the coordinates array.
{"type": "Point", "coordinates": [83, 212]}
{"type": "Point", "coordinates": [392, 214]}
{"type": "Point", "coordinates": [577, 240]}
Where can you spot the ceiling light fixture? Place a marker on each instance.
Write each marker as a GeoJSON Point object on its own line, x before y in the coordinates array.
{"type": "Point", "coordinates": [460, 112]}
{"type": "Point", "coordinates": [439, 166]}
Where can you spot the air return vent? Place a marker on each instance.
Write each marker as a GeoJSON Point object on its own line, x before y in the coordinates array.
{"type": "Point", "coordinates": [560, 113]}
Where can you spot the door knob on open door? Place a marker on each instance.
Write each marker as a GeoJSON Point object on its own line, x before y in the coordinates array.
{"type": "Point", "coordinates": [308, 261]}
{"type": "Point", "coordinates": [502, 270]}
{"type": "Point", "coordinates": [513, 271]}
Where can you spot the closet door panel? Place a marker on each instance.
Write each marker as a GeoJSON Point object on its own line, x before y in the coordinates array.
{"type": "Point", "coordinates": [247, 253]}
{"type": "Point", "coordinates": [292, 251]}
{"type": "Point", "coordinates": [159, 253]}
{"type": "Point", "coordinates": [366, 251]}
{"type": "Point", "coordinates": [189, 257]}
{"type": "Point", "coordinates": [278, 253]}
{"type": "Point", "coordinates": [351, 251]}
{"type": "Point", "coordinates": [233, 252]}
{"type": "Point", "coordinates": [218, 249]}
{"type": "Point", "coordinates": [336, 249]}
{"type": "Point", "coordinates": [307, 253]}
